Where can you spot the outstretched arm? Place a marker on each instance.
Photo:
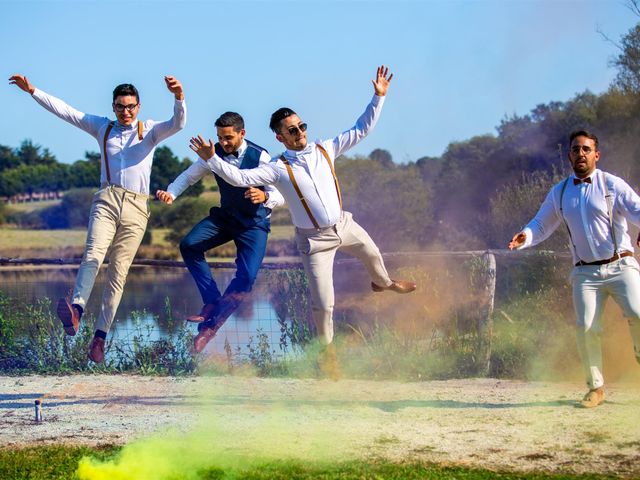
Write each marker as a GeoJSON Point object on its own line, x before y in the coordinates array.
{"type": "Point", "coordinates": [250, 177]}
{"type": "Point", "coordinates": [22, 83]}
{"type": "Point", "coordinates": [367, 120]}
{"type": "Point", "coordinates": [89, 123]}
{"type": "Point", "coordinates": [164, 130]}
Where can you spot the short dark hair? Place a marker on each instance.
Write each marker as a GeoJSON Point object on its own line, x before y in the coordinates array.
{"type": "Point", "coordinates": [278, 116]}
{"type": "Point", "coordinates": [230, 119]}
{"type": "Point", "coordinates": [583, 133]}
{"type": "Point", "coordinates": [125, 89]}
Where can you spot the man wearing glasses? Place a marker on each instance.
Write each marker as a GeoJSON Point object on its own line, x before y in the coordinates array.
{"type": "Point", "coordinates": [243, 216]}
{"type": "Point", "coordinates": [595, 207]}
{"type": "Point", "coordinates": [305, 176]}
{"type": "Point", "coordinates": [120, 209]}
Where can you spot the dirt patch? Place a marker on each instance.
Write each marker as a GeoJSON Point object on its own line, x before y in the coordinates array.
{"type": "Point", "coordinates": [488, 423]}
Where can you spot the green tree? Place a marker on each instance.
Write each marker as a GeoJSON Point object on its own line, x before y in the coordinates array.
{"type": "Point", "coordinates": [166, 167]}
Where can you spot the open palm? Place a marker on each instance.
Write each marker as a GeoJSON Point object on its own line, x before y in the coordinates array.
{"type": "Point", "coordinates": [382, 81]}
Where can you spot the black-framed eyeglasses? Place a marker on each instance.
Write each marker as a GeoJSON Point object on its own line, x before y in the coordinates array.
{"type": "Point", "coordinates": [576, 149]}
{"type": "Point", "coordinates": [121, 108]}
{"type": "Point", "coordinates": [294, 130]}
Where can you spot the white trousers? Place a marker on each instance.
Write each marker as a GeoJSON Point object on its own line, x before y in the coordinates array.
{"type": "Point", "coordinates": [117, 223]}
{"type": "Point", "coordinates": [318, 249]}
{"type": "Point", "coordinates": [592, 285]}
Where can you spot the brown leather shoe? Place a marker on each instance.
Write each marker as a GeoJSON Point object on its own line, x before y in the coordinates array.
{"type": "Point", "coordinates": [205, 335]}
{"type": "Point", "coordinates": [329, 364]}
{"type": "Point", "coordinates": [205, 314]}
{"type": "Point", "coordinates": [69, 315]}
{"type": "Point", "coordinates": [398, 286]}
{"type": "Point", "coordinates": [96, 350]}
{"type": "Point", "coordinates": [593, 398]}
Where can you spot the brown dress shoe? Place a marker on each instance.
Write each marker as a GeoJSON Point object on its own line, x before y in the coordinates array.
{"type": "Point", "coordinates": [69, 315]}
{"type": "Point", "coordinates": [205, 335]}
{"type": "Point", "coordinates": [96, 350]}
{"type": "Point", "coordinates": [329, 364]}
{"type": "Point", "coordinates": [593, 398]}
{"type": "Point", "coordinates": [205, 314]}
{"type": "Point", "coordinates": [398, 286]}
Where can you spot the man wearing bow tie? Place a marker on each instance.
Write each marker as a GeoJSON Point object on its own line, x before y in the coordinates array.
{"type": "Point", "coordinates": [305, 176]}
{"type": "Point", "coordinates": [120, 209]}
{"type": "Point", "coordinates": [243, 216]}
{"type": "Point", "coordinates": [595, 207]}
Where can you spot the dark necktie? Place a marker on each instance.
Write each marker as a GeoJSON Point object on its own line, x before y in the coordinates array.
{"type": "Point", "coordinates": [578, 181]}
{"type": "Point", "coordinates": [235, 154]}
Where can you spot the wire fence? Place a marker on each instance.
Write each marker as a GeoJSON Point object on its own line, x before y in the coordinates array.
{"type": "Point", "coordinates": [452, 285]}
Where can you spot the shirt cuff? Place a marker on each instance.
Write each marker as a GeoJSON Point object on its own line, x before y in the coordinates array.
{"type": "Point", "coordinates": [377, 100]}
{"type": "Point", "coordinates": [528, 238]}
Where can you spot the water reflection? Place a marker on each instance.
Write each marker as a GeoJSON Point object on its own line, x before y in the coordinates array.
{"type": "Point", "coordinates": [160, 292]}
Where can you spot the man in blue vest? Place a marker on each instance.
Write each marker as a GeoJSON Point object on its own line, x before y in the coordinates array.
{"type": "Point", "coordinates": [243, 216]}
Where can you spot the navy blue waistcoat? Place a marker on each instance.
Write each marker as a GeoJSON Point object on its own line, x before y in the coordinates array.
{"type": "Point", "coordinates": [232, 201]}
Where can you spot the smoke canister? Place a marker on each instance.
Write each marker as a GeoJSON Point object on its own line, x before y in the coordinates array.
{"type": "Point", "coordinates": [38, 411]}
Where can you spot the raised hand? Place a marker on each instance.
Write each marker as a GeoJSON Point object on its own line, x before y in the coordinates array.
{"type": "Point", "coordinates": [381, 83]}
{"type": "Point", "coordinates": [22, 83]}
{"type": "Point", "coordinates": [164, 197]}
{"type": "Point", "coordinates": [204, 150]}
{"type": "Point", "coordinates": [517, 240]}
{"type": "Point", "coordinates": [174, 87]}
{"type": "Point", "coordinates": [255, 195]}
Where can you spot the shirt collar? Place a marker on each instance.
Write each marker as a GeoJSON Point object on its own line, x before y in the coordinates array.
{"type": "Point", "coordinates": [298, 154]}
{"type": "Point", "coordinates": [592, 176]}
{"type": "Point", "coordinates": [123, 128]}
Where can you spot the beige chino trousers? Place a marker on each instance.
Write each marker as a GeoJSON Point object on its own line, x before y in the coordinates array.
{"type": "Point", "coordinates": [318, 249]}
{"type": "Point", "coordinates": [117, 223]}
{"type": "Point", "coordinates": [592, 285]}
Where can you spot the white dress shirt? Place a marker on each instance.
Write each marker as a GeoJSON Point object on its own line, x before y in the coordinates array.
{"type": "Point", "coordinates": [200, 168]}
{"type": "Point", "coordinates": [586, 213]}
{"type": "Point", "coordinates": [310, 169]}
{"type": "Point", "coordinates": [129, 158]}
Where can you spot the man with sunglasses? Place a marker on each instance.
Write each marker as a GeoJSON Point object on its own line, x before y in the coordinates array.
{"type": "Point", "coordinates": [305, 176]}
{"type": "Point", "coordinates": [595, 207]}
{"type": "Point", "coordinates": [243, 217]}
{"type": "Point", "coordinates": [120, 209]}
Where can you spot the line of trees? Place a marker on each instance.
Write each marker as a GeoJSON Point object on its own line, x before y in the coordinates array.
{"type": "Point", "coordinates": [31, 168]}
{"type": "Point", "coordinates": [474, 196]}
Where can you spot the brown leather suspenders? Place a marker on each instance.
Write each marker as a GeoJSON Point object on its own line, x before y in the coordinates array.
{"type": "Point", "coordinates": [104, 146]}
{"type": "Point", "coordinates": [297, 188]}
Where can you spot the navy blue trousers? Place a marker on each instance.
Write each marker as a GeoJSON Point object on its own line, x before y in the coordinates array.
{"type": "Point", "coordinates": [213, 231]}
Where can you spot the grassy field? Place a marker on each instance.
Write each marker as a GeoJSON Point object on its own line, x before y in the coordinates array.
{"type": "Point", "coordinates": [61, 462]}
{"type": "Point", "coordinates": [12, 237]}
{"type": "Point", "coordinates": [31, 206]}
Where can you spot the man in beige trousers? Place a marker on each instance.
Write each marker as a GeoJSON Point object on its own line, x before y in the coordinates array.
{"type": "Point", "coordinates": [120, 209]}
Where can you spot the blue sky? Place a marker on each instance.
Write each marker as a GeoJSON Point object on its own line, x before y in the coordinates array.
{"type": "Point", "coordinates": [460, 66]}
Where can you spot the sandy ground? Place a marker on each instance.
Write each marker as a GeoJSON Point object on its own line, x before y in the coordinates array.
{"type": "Point", "coordinates": [505, 425]}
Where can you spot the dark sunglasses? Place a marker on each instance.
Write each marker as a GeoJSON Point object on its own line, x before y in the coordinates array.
{"type": "Point", "coordinates": [293, 129]}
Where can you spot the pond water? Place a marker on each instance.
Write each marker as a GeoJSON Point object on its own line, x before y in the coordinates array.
{"type": "Point", "coordinates": [151, 296]}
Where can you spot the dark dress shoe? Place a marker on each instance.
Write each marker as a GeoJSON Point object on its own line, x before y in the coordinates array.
{"type": "Point", "coordinates": [69, 315]}
{"type": "Point", "coordinates": [205, 314]}
{"type": "Point", "coordinates": [398, 286]}
{"type": "Point", "coordinates": [96, 350]}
